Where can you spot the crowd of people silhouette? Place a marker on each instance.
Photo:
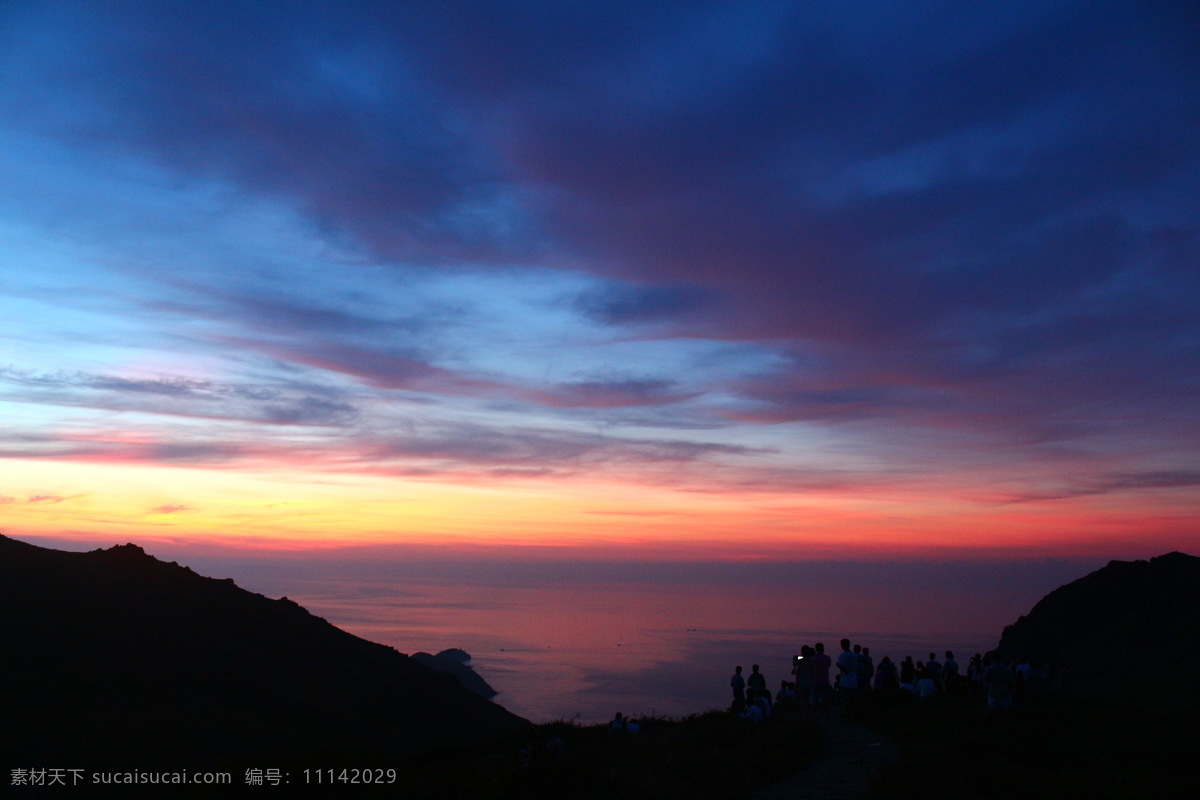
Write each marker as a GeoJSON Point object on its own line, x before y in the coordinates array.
{"type": "Point", "coordinates": [819, 681]}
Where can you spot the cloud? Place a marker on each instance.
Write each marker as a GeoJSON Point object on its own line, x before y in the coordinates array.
{"type": "Point", "coordinates": [310, 411]}
{"type": "Point", "coordinates": [612, 394]}
{"type": "Point", "coordinates": [380, 367]}
{"type": "Point", "coordinates": [403, 369]}
{"type": "Point", "coordinates": [779, 404]}
{"type": "Point", "coordinates": [459, 450]}
{"type": "Point", "coordinates": [1112, 483]}
{"type": "Point", "coordinates": [46, 499]}
{"type": "Point", "coordinates": [624, 305]}
{"type": "Point", "coordinates": [271, 310]}
{"type": "Point", "coordinates": [544, 451]}
{"type": "Point", "coordinates": [106, 447]}
{"type": "Point", "coordinates": [170, 509]}
{"type": "Point", "coordinates": [1012, 141]}
{"type": "Point", "coordinates": [340, 123]}
{"type": "Point", "coordinates": [184, 397]}
{"type": "Point", "coordinates": [170, 387]}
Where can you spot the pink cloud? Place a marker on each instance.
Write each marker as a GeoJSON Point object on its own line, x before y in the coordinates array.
{"type": "Point", "coordinates": [46, 498]}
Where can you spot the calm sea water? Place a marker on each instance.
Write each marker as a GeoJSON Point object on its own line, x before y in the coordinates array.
{"type": "Point", "coordinates": [558, 645]}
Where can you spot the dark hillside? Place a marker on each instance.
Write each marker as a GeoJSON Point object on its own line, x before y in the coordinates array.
{"type": "Point", "coordinates": [1127, 633]}
{"type": "Point", "coordinates": [116, 657]}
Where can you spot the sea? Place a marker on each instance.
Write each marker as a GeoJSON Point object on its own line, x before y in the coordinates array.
{"type": "Point", "coordinates": [582, 641]}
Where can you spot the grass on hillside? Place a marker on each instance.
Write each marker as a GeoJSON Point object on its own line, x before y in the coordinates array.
{"type": "Point", "coordinates": [957, 748]}
{"type": "Point", "coordinates": [715, 755]}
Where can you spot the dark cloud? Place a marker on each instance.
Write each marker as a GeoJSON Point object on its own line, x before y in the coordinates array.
{"type": "Point", "coordinates": [624, 305]}
{"type": "Point", "coordinates": [268, 309]}
{"type": "Point", "coordinates": [1113, 483]}
{"type": "Point", "coordinates": [613, 394]}
{"type": "Point", "coordinates": [781, 404]}
{"type": "Point", "coordinates": [322, 105]}
{"type": "Point", "coordinates": [978, 157]}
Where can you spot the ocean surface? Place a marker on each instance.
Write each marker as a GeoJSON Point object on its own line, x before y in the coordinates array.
{"type": "Point", "coordinates": [581, 642]}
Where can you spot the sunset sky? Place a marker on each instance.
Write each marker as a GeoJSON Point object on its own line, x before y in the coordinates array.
{"type": "Point", "coordinates": [705, 280]}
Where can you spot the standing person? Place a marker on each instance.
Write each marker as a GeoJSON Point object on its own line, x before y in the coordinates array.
{"type": "Point", "coordinates": [908, 673]}
{"type": "Point", "coordinates": [950, 672]}
{"type": "Point", "coordinates": [975, 674]}
{"type": "Point", "coordinates": [739, 690]}
{"type": "Point", "coordinates": [934, 669]}
{"type": "Point", "coordinates": [821, 688]}
{"type": "Point", "coordinates": [847, 665]}
{"type": "Point", "coordinates": [998, 679]}
{"type": "Point", "coordinates": [803, 670]}
{"type": "Point", "coordinates": [785, 698]}
{"type": "Point", "coordinates": [866, 668]}
{"type": "Point", "coordinates": [886, 677]}
{"type": "Point", "coordinates": [757, 683]}
{"type": "Point", "coordinates": [926, 684]}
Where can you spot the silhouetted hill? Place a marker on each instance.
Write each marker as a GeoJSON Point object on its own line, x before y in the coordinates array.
{"type": "Point", "coordinates": [1128, 633]}
{"type": "Point", "coordinates": [116, 657]}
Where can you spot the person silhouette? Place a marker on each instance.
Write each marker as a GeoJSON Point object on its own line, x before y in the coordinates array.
{"type": "Point", "coordinates": [803, 670]}
{"type": "Point", "coordinates": [822, 689]}
{"type": "Point", "coordinates": [757, 683]}
{"type": "Point", "coordinates": [866, 668]}
{"type": "Point", "coordinates": [738, 683]}
{"type": "Point", "coordinates": [847, 665]}
{"type": "Point", "coordinates": [887, 679]}
{"type": "Point", "coordinates": [998, 679]}
{"type": "Point", "coordinates": [908, 672]}
{"type": "Point", "coordinates": [933, 668]}
{"type": "Point", "coordinates": [785, 698]}
{"type": "Point", "coordinates": [975, 672]}
{"type": "Point", "coordinates": [950, 672]}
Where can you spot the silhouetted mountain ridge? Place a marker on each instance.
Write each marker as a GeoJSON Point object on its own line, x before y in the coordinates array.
{"type": "Point", "coordinates": [1128, 632]}
{"type": "Point", "coordinates": [113, 654]}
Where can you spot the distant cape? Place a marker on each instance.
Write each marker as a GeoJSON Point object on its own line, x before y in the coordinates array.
{"type": "Point", "coordinates": [457, 662]}
{"type": "Point", "coordinates": [113, 656]}
{"type": "Point", "coordinates": [1128, 633]}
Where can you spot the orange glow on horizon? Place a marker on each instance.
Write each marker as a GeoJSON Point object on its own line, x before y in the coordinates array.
{"type": "Point", "coordinates": [282, 510]}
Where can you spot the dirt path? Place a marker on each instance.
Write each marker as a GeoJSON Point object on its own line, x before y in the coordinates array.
{"type": "Point", "coordinates": [843, 769]}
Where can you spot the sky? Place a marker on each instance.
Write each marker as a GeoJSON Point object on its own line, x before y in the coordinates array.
{"type": "Point", "coordinates": [707, 280]}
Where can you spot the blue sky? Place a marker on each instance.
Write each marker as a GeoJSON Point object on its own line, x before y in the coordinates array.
{"type": "Point", "coordinates": [856, 273]}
